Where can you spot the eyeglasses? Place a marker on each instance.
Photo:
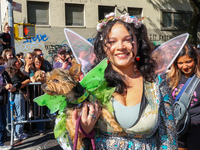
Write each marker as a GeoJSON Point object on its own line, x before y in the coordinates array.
{"type": "Point", "coordinates": [41, 55]}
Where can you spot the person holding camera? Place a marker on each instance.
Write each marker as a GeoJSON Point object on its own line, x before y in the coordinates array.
{"type": "Point", "coordinates": [62, 63]}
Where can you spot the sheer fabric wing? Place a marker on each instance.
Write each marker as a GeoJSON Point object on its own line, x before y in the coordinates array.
{"type": "Point", "coordinates": [82, 49]}
{"type": "Point", "coordinates": [165, 54]}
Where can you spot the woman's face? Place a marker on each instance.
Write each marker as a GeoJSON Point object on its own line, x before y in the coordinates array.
{"type": "Point", "coordinates": [37, 63]}
{"type": "Point", "coordinates": [186, 65]}
{"type": "Point", "coordinates": [29, 59]}
{"type": "Point", "coordinates": [17, 64]}
{"type": "Point", "coordinates": [119, 48]}
{"type": "Point", "coordinates": [9, 55]}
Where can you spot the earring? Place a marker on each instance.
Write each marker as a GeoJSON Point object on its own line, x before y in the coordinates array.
{"type": "Point", "coordinates": [137, 58]}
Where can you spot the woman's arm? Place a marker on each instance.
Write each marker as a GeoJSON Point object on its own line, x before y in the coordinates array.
{"type": "Point", "coordinates": [24, 83]}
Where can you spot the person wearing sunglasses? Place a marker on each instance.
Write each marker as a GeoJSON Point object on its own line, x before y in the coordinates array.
{"type": "Point", "coordinates": [28, 64]}
{"type": "Point", "coordinates": [62, 62]}
{"type": "Point", "coordinates": [47, 65]}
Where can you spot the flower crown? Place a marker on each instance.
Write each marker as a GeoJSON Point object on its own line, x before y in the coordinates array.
{"type": "Point", "coordinates": [126, 18]}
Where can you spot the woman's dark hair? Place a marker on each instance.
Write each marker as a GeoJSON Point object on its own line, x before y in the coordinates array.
{"type": "Point", "coordinates": [41, 60]}
{"type": "Point", "coordinates": [146, 65]}
{"type": "Point", "coordinates": [11, 68]}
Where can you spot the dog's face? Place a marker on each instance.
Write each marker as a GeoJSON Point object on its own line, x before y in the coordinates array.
{"type": "Point", "coordinates": [60, 81]}
{"type": "Point", "coordinates": [39, 76]}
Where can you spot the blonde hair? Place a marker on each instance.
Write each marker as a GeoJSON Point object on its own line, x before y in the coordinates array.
{"type": "Point", "coordinates": [5, 52]}
{"type": "Point", "coordinates": [174, 75]}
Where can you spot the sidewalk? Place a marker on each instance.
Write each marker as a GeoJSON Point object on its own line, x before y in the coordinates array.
{"type": "Point", "coordinates": [37, 142]}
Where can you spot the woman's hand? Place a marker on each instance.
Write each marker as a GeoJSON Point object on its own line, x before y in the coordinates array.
{"type": "Point", "coordinates": [90, 114]}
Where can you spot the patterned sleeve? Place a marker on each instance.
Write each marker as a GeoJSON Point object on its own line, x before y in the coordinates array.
{"type": "Point", "coordinates": [167, 129]}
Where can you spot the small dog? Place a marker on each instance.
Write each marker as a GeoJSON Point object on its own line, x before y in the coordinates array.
{"type": "Point", "coordinates": [63, 82]}
{"type": "Point", "coordinates": [39, 76]}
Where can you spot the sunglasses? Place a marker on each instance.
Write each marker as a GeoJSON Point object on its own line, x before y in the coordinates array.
{"type": "Point", "coordinates": [41, 55]}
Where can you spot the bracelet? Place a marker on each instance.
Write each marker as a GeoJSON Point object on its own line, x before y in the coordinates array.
{"type": "Point", "coordinates": [90, 135]}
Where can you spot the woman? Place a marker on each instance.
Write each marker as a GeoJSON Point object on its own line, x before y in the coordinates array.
{"type": "Point", "coordinates": [6, 37]}
{"type": "Point", "coordinates": [20, 82]}
{"type": "Point", "coordinates": [141, 103]}
{"type": "Point", "coordinates": [28, 64]}
{"type": "Point", "coordinates": [37, 65]}
{"type": "Point", "coordinates": [186, 65]}
{"type": "Point", "coordinates": [5, 86]}
{"type": "Point", "coordinates": [7, 54]}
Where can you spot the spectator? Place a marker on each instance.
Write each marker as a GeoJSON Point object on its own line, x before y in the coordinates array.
{"type": "Point", "coordinates": [18, 56]}
{"type": "Point", "coordinates": [38, 64]}
{"type": "Point", "coordinates": [62, 63]}
{"type": "Point", "coordinates": [47, 65]}
{"type": "Point", "coordinates": [185, 66]}
{"type": "Point", "coordinates": [6, 37]}
{"type": "Point", "coordinates": [20, 81]}
{"type": "Point", "coordinates": [28, 64]}
{"type": "Point", "coordinates": [7, 54]}
{"type": "Point", "coordinates": [21, 56]}
{"type": "Point", "coordinates": [5, 86]}
{"type": "Point", "coordinates": [55, 58]}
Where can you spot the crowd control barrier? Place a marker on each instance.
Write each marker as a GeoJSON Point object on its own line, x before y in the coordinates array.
{"type": "Point", "coordinates": [33, 112]}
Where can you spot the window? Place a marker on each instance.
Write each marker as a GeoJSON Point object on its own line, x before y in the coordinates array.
{"type": "Point", "coordinates": [104, 10]}
{"type": "Point", "coordinates": [137, 12]}
{"type": "Point", "coordinates": [38, 13]}
{"type": "Point", "coordinates": [176, 20]}
{"type": "Point", "coordinates": [74, 14]}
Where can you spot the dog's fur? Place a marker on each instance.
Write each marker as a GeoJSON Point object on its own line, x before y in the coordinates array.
{"type": "Point", "coordinates": [63, 82]}
{"type": "Point", "coordinates": [39, 76]}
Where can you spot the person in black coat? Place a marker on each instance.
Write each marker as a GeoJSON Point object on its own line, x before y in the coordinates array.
{"type": "Point", "coordinates": [5, 86]}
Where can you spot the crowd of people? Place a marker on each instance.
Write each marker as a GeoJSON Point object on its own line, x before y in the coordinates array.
{"type": "Point", "coordinates": [16, 72]}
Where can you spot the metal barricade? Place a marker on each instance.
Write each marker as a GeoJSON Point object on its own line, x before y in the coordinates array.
{"type": "Point", "coordinates": [32, 90]}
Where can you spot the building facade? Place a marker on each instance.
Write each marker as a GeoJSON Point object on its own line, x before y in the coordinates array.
{"type": "Point", "coordinates": [164, 19]}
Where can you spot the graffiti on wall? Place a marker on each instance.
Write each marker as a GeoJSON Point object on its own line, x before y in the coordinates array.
{"type": "Point", "coordinates": [37, 38]}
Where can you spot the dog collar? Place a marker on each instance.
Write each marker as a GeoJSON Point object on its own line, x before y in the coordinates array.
{"type": "Point", "coordinates": [82, 98]}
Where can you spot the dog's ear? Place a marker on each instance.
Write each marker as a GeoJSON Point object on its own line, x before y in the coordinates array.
{"type": "Point", "coordinates": [75, 71]}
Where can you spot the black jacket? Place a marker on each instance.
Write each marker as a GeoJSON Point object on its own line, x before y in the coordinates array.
{"type": "Point", "coordinates": [3, 91]}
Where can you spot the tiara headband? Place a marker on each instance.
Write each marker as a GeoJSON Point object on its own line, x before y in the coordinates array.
{"type": "Point", "coordinates": [111, 17]}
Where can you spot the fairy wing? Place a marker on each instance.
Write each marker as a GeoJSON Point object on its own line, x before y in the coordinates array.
{"type": "Point", "coordinates": [165, 54]}
{"type": "Point", "coordinates": [82, 50]}
{"type": "Point", "coordinates": [53, 102]}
